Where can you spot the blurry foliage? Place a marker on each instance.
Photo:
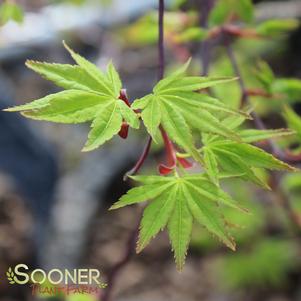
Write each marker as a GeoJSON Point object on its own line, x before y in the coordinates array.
{"type": "Point", "coordinates": [291, 184]}
{"type": "Point", "coordinates": [266, 265]}
{"type": "Point", "coordinates": [293, 120]}
{"type": "Point", "coordinates": [286, 88]}
{"type": "Point", "coordinates": [275, 28]}
{"type": "Point", "coordinates": [179, 28]}
{"type": "Point", "coordinates": [227, 10]}
{"type": "Point", "coordinates": [10, 11]}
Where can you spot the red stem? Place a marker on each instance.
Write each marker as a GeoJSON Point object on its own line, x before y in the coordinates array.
{"type": "Point", "coordinates": [112, 276]}
{"type": "Point", "coordinates": [170, 151]}
{"type": "Point", "coordinates": [141, 160]}
{"type": "Point", "coordinates": [161, 59]}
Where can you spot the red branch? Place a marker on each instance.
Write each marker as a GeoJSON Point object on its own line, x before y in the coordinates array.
{"type": "Point", "coordinates": [130, 250]}
{"type": "Point", "coordinates": [141, 160]}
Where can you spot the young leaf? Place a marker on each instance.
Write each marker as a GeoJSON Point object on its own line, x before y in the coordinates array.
{"type": "Point", "coordinates": [178, 130]}
{"type": "Point", "coordinates": [94, 72]}
{"type": "Point", "coordinates": [175, 202]}
{"type": "Point", "coordinates": [206, 214]}
{"type": "Point", "coordinates": [70, 106]}
{"type": "Point", "coordinates": [289, 87]}
{"type": "Point", "coordinates": [211, 164]}
{"type": "Point", "coordinates": [152, 117]}
{"type": "Point", "coordinates": [155, 217]}
{"type": "Point", "coordinates": [254, 156]}
{"type": "Point", "coordinates": [174, 105]}
{"type": "Point", "coordinates": [265, 75]}
{"type": "Point", "coordinates": [90, 95]}
{"type": "Point", "coordinates": [272, 28]}
{"type": "Point", "coordinates": [106, 124]}
{"type": "Point", "coordinates": [66, 76]}
{"type": "Point", "coordinates": [233, 164]}
{"type": "Point", "coordinates": [242, 158]}
{"type": "Point", "coordinates": [191, 34]}
{"type": "Point", "coordinates": [142, 193]}
{"type": "Point", "coordinates": [293, 120]}
{"type": "Point", "coordinates": [252, 135]}
{"type": "Point", "coordinates": [179, 228]}
{"type": "Point", "coordinates": [114, 78]}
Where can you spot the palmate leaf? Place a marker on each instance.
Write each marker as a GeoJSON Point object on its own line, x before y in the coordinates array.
{"type": "Point", "coordinates": [90, 95]}
{"type": "Point", "coordinates": [251, 135]}
{"type": "Point", "coordinates": [241, 158]}
{"type": "Point", "coordinates": [175, 203]}
{"type": "Point", "coordinates": [175, 106]}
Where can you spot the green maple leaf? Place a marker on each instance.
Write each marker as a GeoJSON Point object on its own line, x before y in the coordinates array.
{"type": "Point", "coordinates": [90, 95]}
{"type": "Point", "coordinates": [175, 203]}
{"type": "Point", "coordinates": [241, 157]}
{"type": "Point", "coordinates": [176, 106]}
{"type": "Point", "coordinates": [252, 135]}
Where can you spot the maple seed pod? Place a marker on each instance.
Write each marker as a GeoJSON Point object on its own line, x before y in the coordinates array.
{"type": "Point", "coordinates": [124, 130]}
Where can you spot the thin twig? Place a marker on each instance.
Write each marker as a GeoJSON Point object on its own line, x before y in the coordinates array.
{"type": "Point", "coordinates": [161, 40]}
{"type": "Point", "coordinates": [141, 159]}
{"type": "Point", "coordinates": [161, 61]}
{"type": "Point", "coordinates": [205, 8]}
{"type": "Point", "coordinates": [130, 249]}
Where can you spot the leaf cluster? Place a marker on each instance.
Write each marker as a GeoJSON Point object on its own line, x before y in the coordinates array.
{"type": "Point", "coordinates": [198, 127]}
